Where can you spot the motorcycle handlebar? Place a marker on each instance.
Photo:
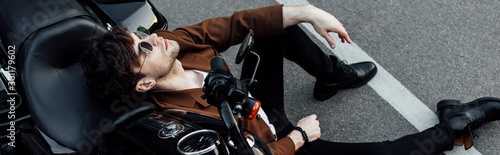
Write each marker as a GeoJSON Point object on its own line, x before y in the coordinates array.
{"type": "Point", "coordinates": [224, 91]}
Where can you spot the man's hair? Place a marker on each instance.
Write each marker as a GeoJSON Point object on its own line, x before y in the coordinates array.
{"type": "Point", "coordinates": [108, 64]}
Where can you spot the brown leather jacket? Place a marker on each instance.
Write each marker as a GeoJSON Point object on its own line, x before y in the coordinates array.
{"type": "Point", "coordinates": [199, 43]}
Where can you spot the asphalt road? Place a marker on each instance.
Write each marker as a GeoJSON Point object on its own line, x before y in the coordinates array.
{"type": "Point", "coordinates": [438, 50]}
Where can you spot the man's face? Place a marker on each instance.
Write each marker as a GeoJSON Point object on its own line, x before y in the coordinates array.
{"type": "Point", "coordinates": [159, 61]}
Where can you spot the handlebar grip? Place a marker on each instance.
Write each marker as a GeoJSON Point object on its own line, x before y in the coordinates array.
{"type": "Point", "coordinates": [217, 64]}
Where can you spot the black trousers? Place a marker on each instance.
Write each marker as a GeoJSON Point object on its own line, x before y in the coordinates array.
{"type": "Point", "coordinates": [296, 46]}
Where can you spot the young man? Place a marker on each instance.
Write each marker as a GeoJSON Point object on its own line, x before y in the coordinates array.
{"type": "Point", "coordinates": [171, 65]}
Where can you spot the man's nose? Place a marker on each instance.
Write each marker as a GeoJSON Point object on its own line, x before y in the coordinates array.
{"type": "Point", "coordinates": [152, 39]}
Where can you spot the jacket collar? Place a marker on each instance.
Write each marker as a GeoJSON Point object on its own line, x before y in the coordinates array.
{"type": "Point", "coordinates": [184, 98]}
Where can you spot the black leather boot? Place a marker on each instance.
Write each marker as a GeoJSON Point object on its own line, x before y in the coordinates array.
{"type": "Point", "coordinates": [465, 117]}
{"type": "Point", "coordinates": [343, 77]}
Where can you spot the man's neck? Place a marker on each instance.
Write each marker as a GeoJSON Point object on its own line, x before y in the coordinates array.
{"type": "Point", "coordinates": [179, 79]}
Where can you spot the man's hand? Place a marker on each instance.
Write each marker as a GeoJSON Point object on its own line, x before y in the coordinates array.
{"type": "Point", "coordinates": [323, 22]}
{"type": "Point", "coordinates": [311, 126]}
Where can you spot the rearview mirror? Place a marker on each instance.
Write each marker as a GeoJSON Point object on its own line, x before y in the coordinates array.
{"type": "Point", "coordinates": [245, 47]}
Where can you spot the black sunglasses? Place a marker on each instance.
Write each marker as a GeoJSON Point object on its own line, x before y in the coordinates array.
{"type": "Point", "coordinates": [145, 47]}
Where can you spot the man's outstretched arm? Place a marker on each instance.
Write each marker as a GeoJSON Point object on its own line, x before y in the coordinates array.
{"type": "Point", "coordinates": [323, 22]}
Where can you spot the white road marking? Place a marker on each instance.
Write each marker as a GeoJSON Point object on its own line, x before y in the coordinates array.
{"type": "Point", "coordinates": [388, 87]}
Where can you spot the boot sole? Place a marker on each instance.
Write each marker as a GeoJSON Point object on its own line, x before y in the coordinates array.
{"type": "Point", "coordinates": [444, 103]}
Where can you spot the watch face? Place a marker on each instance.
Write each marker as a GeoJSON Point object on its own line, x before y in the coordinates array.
{"type": "Point", "coordinates": [170, 130]}
{"type": "Point", "coordinates": [198, 142]}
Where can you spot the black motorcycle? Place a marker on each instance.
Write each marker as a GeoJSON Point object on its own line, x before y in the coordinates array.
{"type": "Point", "coordinates": [46, 108]}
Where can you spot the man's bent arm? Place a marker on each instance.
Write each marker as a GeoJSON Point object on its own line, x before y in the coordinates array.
{"type": "Point", "coordinates": [322, 21]}
{"type": "Point", "coordinates": [223, 32]}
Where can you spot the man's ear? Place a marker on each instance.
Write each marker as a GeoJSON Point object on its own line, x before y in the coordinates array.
{"type": "Point", "coordinates": [145, 84]}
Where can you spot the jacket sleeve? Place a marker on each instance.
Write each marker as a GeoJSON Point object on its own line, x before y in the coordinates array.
{"type": "Point", "coordinates": [223, 32]}
{"type": "Point", "coordinates": [283, 146]}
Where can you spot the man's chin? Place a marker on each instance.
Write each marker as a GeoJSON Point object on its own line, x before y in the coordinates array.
{"type": "Point", "coordinates": [176, 48]}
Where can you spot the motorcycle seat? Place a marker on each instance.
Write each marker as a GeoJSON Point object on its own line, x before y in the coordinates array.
{"type": "Point", "coordinates": [52, 82]}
